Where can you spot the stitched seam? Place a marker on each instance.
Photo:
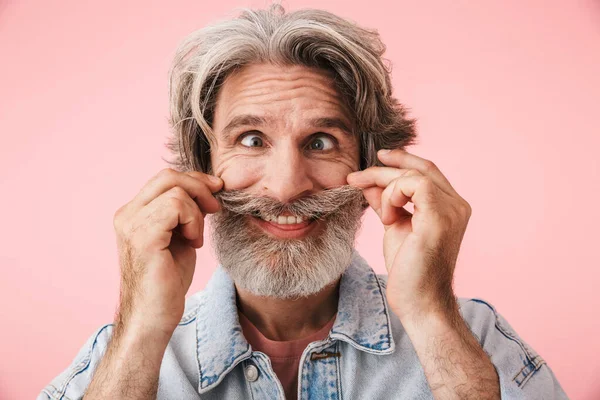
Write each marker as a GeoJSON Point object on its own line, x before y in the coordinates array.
{"type": "Point", "coordinates": [53, 395]}
{"type": "Point", "coordinates": [358, 345]}
{"type": "Point", "coordinates": [82, 366]}
{"type": "Point", "coordinates": [530, 357]}
{"type": "Point", "coordinates": [534, 366]}
{"type": "Point", "coordinates": [187, 322]}
{"type": "Point", "coordinates": [338, 374]}
{"type": "Point", "coordinates": [320, 349]}
{"type": "Point", "coordinates": [220, 375]}
{"type": "Point", "coordinates": [528, 378]}
{"type": "Point", "coordinates": [262, 357]}
{"type": "Point", "coordinates": [78, 369]}
{"type": "Point", "coordinates": [50, 394]}
{"type": "Point", "coordinates": [534, 360]}
{"type": "Point", "coordinates": [244, 365]}
{"type": "Point", "coordinates": [533, 363]}
{"type": "Point", "coordinates": [198, 348]}
{"type": "Point", "coordinates": [387, 317]}
{"type": "Point", "coordinates": [383, 282]}
{"type": "Point", "coordinates": [189, 317]}
{"type": "Point", "coordinates": [521, 371]}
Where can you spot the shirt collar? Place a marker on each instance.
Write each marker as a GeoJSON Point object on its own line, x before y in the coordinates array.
{"type": "Point", "coordinates": [362, 320]}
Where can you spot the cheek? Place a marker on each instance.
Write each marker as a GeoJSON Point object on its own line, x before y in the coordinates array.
{"type": "Point", "coordinates": [330, 174]}
{"type": "Point", "coordinates": [240, 173]}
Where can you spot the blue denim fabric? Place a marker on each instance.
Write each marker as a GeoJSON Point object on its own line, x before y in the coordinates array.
{"type": "Point", "coordinates": [367, 354]}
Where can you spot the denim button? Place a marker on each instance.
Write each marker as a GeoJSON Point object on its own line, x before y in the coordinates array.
{"type": "Point", "coordinates": [251, 373]}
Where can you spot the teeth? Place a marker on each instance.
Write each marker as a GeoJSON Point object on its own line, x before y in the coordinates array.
{"type": "Point", "coordinates": [283, 219]}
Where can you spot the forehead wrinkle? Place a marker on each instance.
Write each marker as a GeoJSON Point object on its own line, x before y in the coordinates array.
{"type": "Point", "coordinates": [266, 87]}
{"type": "Point", "coordinates": [295, 97]}
{"type": "Point", "coordinates": [325, 114]}
{"type": "Point", "coordinates": [297, 78]}
{"type": "Point", "coordinates": [304, 94]}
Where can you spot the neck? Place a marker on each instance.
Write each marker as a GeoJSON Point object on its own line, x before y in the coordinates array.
{"type": "Point", "coordinates": [289, 319]}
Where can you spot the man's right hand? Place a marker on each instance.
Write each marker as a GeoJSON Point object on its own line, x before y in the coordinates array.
{"type": "Point", "coordinates": [158, 233]}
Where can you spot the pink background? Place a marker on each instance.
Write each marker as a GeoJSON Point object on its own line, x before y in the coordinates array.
{"type": "Point", "coordinates": [507, 95]}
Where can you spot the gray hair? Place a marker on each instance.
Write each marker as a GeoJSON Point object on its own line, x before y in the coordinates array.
{"type": "Point", "coordinates": [309, 37]}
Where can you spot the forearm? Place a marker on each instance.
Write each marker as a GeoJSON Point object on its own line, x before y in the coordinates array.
{"type": "Point", "coordinates": [454, 362]}
{"type": "Point", "coordinates": [130, 367]}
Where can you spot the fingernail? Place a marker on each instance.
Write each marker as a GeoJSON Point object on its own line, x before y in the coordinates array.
{"type": "Point", "coordinates": [384, 151]}
{"type": "Point", "coordinates": [214, 179]}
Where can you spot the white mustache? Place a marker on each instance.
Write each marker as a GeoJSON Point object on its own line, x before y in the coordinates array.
{"type": "Point", "coordinates": [313, 206]}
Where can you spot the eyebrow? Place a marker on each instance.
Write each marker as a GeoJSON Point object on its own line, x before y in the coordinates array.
{"type": "Point", "coordinates": [255, 120]}
{"type": "Point", "coordinates": [243, 120]}
{"type": "Point", "coordinates": [329, 122]}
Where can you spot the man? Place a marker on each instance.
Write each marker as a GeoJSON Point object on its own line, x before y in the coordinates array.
{"type": "Point", "coordinates": [285, 131]}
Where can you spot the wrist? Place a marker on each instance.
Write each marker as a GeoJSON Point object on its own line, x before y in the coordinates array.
{"type": "Point", "coordinates": [133, 332]}
{"type": "Point", "coordinates": [444, 311]}
{"type": "Point", "coordinates": [434, 321]}
{"type": "Point", "coordinates": [133, 351]}
{"type": "Point", "coordinates": [133, 355]}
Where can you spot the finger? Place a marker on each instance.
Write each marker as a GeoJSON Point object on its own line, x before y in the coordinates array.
{"type": "Point", "coordinates": [393, 201]}
{"type": "Point", "coordinates": [402, 159]}
{"type": "Point", "coordinates": [175, 210]}
{"type": "Point", "coordinates": [379, 176]}
{"type": "Point", "coordinates": [420, 190]}
{"type": "Point", "coordinates": [199, 186]}
{"type": "Point", "coordinates": [373, 196]}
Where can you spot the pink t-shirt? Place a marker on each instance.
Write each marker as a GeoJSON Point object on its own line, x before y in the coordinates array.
{"type": "Point", "coordinates": [284, 355]}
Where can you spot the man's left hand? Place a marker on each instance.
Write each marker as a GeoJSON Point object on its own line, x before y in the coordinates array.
{"type": "Point", "coordinates": [420, 249]}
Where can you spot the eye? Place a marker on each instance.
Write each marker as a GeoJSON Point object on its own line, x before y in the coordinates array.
{"type": "Point", "coordinates": [322, 143]}
{"type": "Point", "coordinates": [252, 140]}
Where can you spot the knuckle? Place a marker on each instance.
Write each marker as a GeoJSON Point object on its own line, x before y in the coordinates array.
{"type": "Point", "coordinates": [390, 189]}
{"type": "Point", "coordinates": [466, 209]}
{"type": "Point", "coordinates": [117, 219]}
{"type": "Point", "coordinates": [175, 203]}
{"type": "Point", "coordinates": [118, 212]}
{"type": "Point", "coordinates": [429, 166]}
{"type": "Point", "coordinates": [167, 173]}
{"type": "Point", "coordinates": [178, 192]}
{"type": "Point", "coordinates": [120, 219]}
{"type": "Point", "coordinates": [196, 174]}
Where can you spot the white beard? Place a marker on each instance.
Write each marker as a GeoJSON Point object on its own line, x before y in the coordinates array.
{"type": "Point", "coordinates": [287, 268]}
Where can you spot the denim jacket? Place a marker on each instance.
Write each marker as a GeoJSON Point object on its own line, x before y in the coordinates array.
{"type": "Point", "coordinates": [367, 354]}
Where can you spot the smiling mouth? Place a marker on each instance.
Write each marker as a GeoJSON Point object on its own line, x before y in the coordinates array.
{"type": "Point", "coordinates": [284, 219]}
{"type": "Point", "coordinates": [285, 226]}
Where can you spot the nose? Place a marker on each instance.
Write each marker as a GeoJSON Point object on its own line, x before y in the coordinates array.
{"type": "Point", "coordinates": [287, 174]}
